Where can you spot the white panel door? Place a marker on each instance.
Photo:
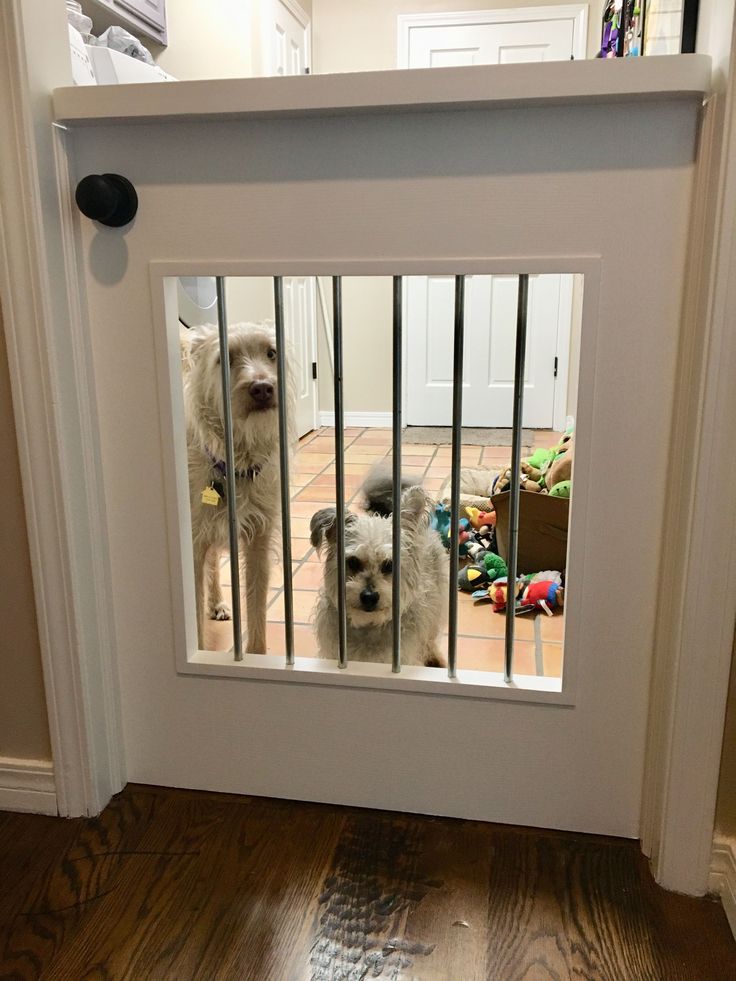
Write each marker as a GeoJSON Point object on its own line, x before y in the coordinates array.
{"type": "Point", "coordinates": [491, 44]}
{"type": "Point", "coordinates": [490, 330]}
{"type": "Point", "coordinates": [483, 38]}
{"type": "Point", "coordinates": [288, 39]}
{"type": "Point", "coordinates": [299, 307]}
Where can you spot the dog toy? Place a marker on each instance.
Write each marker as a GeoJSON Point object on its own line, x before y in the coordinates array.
{"type": "Point", "coordinates": [544, 592]}
{"type": "Point", "coordinates": [562, 489]}
{"type": "Point", "coordinates": [480, 520]}
{"type": "Point", "coordinates": [482, 573]}
{"type": "Point", "coordinates": [441, 523]}
{"type": "Point", "coordinates": [541, 591]}
{"type": "Point", "coordinates": [498, 592]}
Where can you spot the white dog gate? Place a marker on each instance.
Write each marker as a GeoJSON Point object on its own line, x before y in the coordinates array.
{"type": "Point", "coordinates": [441, 173]}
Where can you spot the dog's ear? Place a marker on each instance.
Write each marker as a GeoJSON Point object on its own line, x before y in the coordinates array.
{"type": "Point", "coordinates": [415, 506]}
{"type": "Point", "coordinates": [198, 336]}
{"type": "Point", "coordinates": [323, 526]}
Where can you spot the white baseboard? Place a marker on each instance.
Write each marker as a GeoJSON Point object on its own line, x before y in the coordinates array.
{"type": "Point", "coordinates": [27, 785]}
{"type": "Point", "coordinates": [363, 419]}
{"type": "Point", "coordinates": [722, 879]}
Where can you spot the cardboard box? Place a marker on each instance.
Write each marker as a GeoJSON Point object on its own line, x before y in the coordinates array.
{"type": "Point", "coordinates": [543, 522]}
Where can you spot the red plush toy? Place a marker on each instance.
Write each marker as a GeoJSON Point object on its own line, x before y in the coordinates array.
{"type": "Point", "coordinates": [544, 592]}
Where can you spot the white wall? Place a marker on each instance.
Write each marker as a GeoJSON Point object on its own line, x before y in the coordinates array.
{"type": "Point", "coordinates": [212, 40]}
{"type": "Point", "coordinates": [715, 23]}
{"type": "Point", "coordinates": [367, 318]}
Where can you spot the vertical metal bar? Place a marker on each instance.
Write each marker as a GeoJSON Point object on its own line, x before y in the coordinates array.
{"type": "Point", "coordinates": [278, 302]}
{"type": "Point", "coordinates": [514, 487]}
{"type": "Point", "coordinates": [396, 461]}
{"type": "Point", "coordinates": [457, 435]}
{"type": "Point", "coordinates": [342, 630]}
{"type": "Point", "coordinates": [232, 517]}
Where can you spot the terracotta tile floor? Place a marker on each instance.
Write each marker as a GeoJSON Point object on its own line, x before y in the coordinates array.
{"type": "Point", "coordinates": [538, 646]}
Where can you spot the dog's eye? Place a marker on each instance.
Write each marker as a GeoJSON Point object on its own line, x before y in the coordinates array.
{"type": "Point", "coordinates": [353, 564]}
{"type": "Point", "coordinates": [387, 567]}
{"type": "Point", "coordinates": [271, 353]}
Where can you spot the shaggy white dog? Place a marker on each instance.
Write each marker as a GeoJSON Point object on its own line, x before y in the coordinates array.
{"type": "Point", "coordinates": [369, 579]}
{"type": "Point", "coordinates": [255, 398]}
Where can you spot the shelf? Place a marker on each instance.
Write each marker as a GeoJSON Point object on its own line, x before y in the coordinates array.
{"type": "Point", "coordinates": [416, 90]}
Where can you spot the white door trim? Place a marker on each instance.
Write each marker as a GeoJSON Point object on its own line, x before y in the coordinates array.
{"type": "Point", "coordinates": [579, 11]}
{"type": "Point", "coordinates": [55, 414]}
{"type": "Point", "coordinates": [697, 609]}
{"type": "Point", "coordinates": [314, 349]}
{"type": "Point", "coordinates": [722, 879]}
{"type": "Point", "coordinates": [564, 330]}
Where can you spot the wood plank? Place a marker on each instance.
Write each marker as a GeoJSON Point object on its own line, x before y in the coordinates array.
{"type": "Point", "coordinates": [186, 885]}
{"type": "Point", "coordinates": [29, 843]}
{"type": "Point", "coordinates": [400, 900]}
{"type": "Point", "coordinates": [218, 890]}
{"type": "Point", "coordinates": [50, 907]}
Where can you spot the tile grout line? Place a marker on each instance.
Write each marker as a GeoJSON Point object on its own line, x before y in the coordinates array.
{"type": "Point", "coordinates": [538, 651]}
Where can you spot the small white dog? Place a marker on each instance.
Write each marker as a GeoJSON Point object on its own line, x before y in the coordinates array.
{"type": "Point", "coordinates": [255, 397]}
{"type": "Point", "coordinates": [369, 578]}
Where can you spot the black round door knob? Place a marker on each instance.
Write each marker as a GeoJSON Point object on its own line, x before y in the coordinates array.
{"type": "Point", "coordinates": [107, 198]}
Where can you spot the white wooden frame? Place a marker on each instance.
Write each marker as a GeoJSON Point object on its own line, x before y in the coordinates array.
{"type": "Point", "coordinates": [59, 448]}
{"type": "Point", "coordinates": [265, 15]}
{"type": "Point", "coordinates": [462, 18]}
{"type": "Point", "coordinates": [312, 288]}
{"type": "Point", "coordinates": [694, 641]}
{"type": "Point", "coordinates": [54, 404]}
{"type": "Point", "coordinates": [566, 308]}
{"type": "Point", "coordinates": [477, 684]}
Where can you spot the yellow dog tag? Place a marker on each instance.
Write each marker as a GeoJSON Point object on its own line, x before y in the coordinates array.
{"type": "Point", "coordinates": [210, 496]}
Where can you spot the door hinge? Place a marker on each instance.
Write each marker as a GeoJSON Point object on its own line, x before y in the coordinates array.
{"type": "Point", "coordinates": [555, 367]}
{"type": "Point", "coordinates": [314, 369]}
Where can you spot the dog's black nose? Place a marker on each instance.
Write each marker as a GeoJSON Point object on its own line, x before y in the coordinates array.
{"type": "Point", "coordinates": [261, 392]}
{"type": "Point", "coordinates": [369, 599]}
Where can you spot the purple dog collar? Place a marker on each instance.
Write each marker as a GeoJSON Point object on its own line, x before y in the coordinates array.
{"type": "Point", "coordinates": [221, 467]}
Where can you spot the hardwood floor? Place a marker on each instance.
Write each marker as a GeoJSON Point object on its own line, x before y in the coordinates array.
{"type": "Point", "coordinates": [184, 885]}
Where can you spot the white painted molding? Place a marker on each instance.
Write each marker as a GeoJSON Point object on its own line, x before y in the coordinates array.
{"type": "Point", "coordinates": [27, 785]}
{"type": "Point", "coordinates": [722, 879]}
{"type": "Point", "coordinates": [54, 407]}
{"type": "Point", "coordinates": [694, 634]}
{"type": "Point", "coordinates": [578, 12]}
{"type": "Point", "coordinates": [595, 82]}
{"type": "Point", "coordinates": [366, 419]}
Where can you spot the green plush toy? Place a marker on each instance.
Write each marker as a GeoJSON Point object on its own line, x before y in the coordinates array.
{"type": "Point", "coordinates": [486, 570]}
{"type": "Point", "coordinates": [562, 489]}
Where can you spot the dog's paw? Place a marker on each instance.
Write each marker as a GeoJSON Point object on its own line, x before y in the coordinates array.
{"type": "Point", "coordinates": [220, 612]}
